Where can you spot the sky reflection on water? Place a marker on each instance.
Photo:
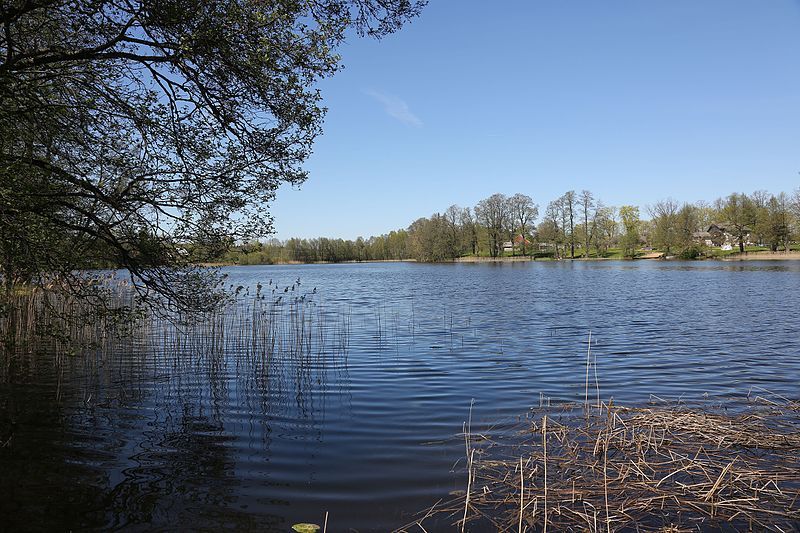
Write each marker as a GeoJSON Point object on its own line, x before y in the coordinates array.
{"type": "Point", "coordinates": [362, 421]}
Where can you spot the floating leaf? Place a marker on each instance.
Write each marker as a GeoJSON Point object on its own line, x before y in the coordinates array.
{"type": "Point", "coordinates": [306, 528]}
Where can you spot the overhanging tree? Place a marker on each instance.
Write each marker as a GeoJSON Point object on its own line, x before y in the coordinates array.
{"type": "Point", "coordinates": [131, 130]}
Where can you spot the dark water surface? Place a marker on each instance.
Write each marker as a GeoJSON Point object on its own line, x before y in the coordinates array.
{"type": "Point", "coordinates": [357, 412]}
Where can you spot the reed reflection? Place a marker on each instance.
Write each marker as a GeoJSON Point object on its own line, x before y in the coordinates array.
{"type": "Point", "coordinates": [156, 426]}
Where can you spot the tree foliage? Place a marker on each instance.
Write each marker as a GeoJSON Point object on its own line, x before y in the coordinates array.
{"type": "Point", "coordinates": [586, 200]}
{"type": "Point", "coordinates": [632, 225]}
{"type": "Point", "coordinates": [523, 212]}
{"type": "Point", "coordinates": [495, 214]}
{"type": "Point", "coordinates": [132, 129]}
{"type": "Point", "coordinates": [665, 224]}
{"type": "Point", "coordinates": [739, 212]}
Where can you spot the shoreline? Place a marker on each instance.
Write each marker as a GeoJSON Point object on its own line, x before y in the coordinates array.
{"type": "Point", "coordinates": [651, 256]}
{"type": "Point", "coordinates": [295, 263]}
{"type": "Point", "coordinates": [654, 256]}
{"type": "Point", "coordinates": [763, 256]}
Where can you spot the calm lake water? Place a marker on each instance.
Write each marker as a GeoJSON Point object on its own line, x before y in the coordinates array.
{"type": "Point", "coordinates": [361, 419]}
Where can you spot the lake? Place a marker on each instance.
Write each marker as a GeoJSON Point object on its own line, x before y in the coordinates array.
{"type": "Point", "coordinates": [358, 410]}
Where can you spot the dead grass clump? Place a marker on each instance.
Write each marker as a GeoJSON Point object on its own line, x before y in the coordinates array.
{"type": "Point", "coordinates": [661, 468]}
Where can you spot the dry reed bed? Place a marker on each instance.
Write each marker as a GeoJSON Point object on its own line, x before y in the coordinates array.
{"type": "Point", "coordinates": [611, 468]}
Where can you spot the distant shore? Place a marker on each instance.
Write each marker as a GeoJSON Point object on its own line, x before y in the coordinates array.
{"type": "Point", "coordinates": [762, 256]}
{"type": "Point", "coordinates": [649, 256]}
{"type": "Point", "coordinates": [283, 263]}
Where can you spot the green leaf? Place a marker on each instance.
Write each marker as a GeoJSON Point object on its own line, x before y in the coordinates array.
{"type": "Point", "coordinates": [306, 528]}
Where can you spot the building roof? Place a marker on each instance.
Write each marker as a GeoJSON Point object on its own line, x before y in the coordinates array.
{"type": "Point", "coordinates": [727, 227]}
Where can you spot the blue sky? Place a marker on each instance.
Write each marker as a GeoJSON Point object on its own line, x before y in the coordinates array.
{"type": "Point", "coordinates": [635, 100]}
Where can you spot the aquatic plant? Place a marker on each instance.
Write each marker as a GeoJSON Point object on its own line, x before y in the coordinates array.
{"type": "Point", "coordinates": [665, 467]}
{"type": "Point", "coordinates": [254, 326]}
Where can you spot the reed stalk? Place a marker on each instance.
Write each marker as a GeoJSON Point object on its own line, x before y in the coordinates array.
{"type": "Point", "coordinates": [667, 467]}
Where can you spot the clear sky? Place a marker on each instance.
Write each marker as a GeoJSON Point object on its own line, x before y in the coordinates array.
{"type": "Point", "coordinates": [635, 100]}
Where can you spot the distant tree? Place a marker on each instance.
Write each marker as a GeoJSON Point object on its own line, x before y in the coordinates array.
{"type": "Point", "coordinates": [553, 230]}
{"type": "Point", "coordinates": [568, 205]}
{"type": "Point", "coordinates": [760, 206]}
{"type": "Point", "coordinates": [360, 249]}
{"type": "Point", "coordinates": [429, 240]}
{"type": "Point", "coordinates": [738, 212]}
{"type": "Point", "coordinates": [795, 207]}
{"type": "Point", "coordinates": [547, 234]}
{"type": "Point", "coordinates": [523, 212]}
{"type": "Point", "coordinates": [706, 214]}
{"type": "Point", "coordinates": [493, 213]}
{"type": "Point", "coordinates": [586, 200]}
{"type": "Point", "coordinates": [631, 223]}
{"type": "Point", "coordinates": [567, 233]}
{"type": "Point", "coordinates": [796, 202]}
{"type": "Point", "coordinates": [605, 224]}
{"type": "Point", "coordinates": [453, 218]}
{"type": "Point", "coordinates": [469, 231]}
{"type": "Point", "coordinates": [778, 227]}
{"type": "Point", "coordinates": [664, 216]}
{"type": "Point", "coordinates": [687, 222]}
{"type": "Point", "coordinates": [397, 242]}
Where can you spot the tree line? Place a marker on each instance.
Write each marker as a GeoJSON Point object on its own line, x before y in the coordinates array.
{"type": "Point", "coordinates": [574, 225]}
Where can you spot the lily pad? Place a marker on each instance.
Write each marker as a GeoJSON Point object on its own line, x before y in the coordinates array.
{"type": "Point", "coordinates": [306, 528]}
